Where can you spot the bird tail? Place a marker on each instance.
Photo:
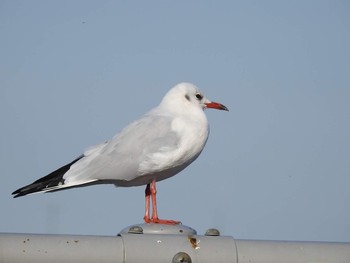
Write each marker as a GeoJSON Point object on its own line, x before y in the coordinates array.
{"type": "Point", "coordinates": [51, 182]}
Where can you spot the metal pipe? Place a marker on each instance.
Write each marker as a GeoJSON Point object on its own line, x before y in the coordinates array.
{"type": "Point", "coordinates": [292, 251]}
{"type": "Point", "coordinates": [162, 243]}
{"type": "Point", "coordinates": [59, 248]}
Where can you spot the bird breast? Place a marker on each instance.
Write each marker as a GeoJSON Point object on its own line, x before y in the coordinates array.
{"type": "Point", "coordinates": [168, 161]}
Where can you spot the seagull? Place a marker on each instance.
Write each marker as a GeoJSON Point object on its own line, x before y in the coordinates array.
{"type": "Point", "coordinates": [155, 147]}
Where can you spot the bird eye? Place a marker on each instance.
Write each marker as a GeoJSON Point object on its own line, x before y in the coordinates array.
{"type": "Point", "coordinates": [199, 96]}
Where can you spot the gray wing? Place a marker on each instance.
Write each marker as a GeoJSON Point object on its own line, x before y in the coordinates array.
{"type": "Point", "coordinates": [123, 157]}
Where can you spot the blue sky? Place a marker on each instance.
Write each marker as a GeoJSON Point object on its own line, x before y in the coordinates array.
{"type": "Point", "coordinates": [74, 73]}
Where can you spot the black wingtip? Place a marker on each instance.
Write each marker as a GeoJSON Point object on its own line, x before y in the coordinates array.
{"type": "Point", "coordinates": [51, 180]}
{"type": "Point", "coordinates": [28, 189]}
{"type": "Point", "coordinates": [17, 194]}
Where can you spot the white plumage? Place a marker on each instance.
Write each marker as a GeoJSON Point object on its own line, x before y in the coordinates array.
{"type": "Point", "coordinates": [155, 147]}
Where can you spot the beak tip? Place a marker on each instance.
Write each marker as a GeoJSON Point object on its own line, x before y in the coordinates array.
{"type": "Point", "coordinates": [224, 108]}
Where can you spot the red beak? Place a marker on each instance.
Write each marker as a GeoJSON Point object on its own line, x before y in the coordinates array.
{"type": "Point", "coordinates": [215, 105]}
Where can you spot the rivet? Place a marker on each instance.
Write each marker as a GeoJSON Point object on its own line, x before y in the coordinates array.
{"type": "Point", "coordinates": [212, 232]}
{"type": "Point", "coordinates": [181, 257]}
{"type": "Point", "coordinates": [135, 230]}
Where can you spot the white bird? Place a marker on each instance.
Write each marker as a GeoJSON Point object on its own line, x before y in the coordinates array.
{"type": "Point", "coordinates": [157, 146]}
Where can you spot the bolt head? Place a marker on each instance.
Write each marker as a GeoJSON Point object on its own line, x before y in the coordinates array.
{"type": "Point", "coordinates": [135, 230]}
{"type": "Point", "coordinates": [212, 232]}
{"type": "Point", "coordinates": [181, 257]}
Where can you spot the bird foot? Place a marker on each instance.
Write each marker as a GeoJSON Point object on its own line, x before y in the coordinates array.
{"type": "Point", "coordinates": [161, 221]}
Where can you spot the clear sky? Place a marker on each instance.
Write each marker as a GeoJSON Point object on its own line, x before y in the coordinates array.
{"type": "Point", "coordinates": [74, 73]}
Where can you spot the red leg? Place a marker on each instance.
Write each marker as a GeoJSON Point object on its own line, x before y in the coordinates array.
{"type": "Point", "coordinates": [155, 218]}
{"type": "Point", "coordinates": [147, 205]}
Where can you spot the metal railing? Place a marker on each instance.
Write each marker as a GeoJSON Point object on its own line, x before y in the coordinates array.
{"type": "Point", "coordinates": [163, 243]}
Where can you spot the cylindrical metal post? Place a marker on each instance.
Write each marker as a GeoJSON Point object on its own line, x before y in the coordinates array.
{"type": "Point", "coordinates": [250, 251]}
{"type": "Point", "coordinates": [162, 243]}
{"type": "Point", "coordinates": [60, 248]}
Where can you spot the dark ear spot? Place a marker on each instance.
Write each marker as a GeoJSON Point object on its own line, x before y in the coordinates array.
{"type": "Point", "coordinates": [187, 97]}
